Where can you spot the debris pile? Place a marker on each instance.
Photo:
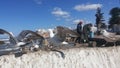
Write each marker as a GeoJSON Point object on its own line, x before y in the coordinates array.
{"type": "Point", "coordinates": [56, 48]}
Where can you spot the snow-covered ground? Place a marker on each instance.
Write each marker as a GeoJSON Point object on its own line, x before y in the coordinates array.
{"type": "Point", "coordinates": [106, 57]}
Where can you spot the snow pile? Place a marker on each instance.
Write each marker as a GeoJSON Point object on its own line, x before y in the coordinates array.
{"type": "Point", "coordinates": [74, 58]}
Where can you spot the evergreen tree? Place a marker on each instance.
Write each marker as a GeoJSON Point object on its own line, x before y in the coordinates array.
{"type": "Point", "coordinates": [115, 16]}
{"type": "Point", "coordinates": [99, 18]}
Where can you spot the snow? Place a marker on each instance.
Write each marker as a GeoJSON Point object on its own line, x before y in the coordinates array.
{"type": "Point", "coordinates": [64, 42]}
{"type": "Point", "coordinates": [51, 33]}
{"type": "Point", "coordinates": [74, 58]}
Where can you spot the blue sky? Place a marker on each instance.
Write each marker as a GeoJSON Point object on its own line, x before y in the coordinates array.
{"type": "Point", "coordinates": [18, 15]}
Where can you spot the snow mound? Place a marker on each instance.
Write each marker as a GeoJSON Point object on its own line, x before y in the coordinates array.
{"type": "Point", "coordinates": [74, 58]}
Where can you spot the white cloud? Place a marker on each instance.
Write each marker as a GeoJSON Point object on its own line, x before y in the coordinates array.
{"type": "Point", "coordinates": [69, 19]}
{"type": "Point", "coordinates": [76, 21]}
{"type": "Point", "coordinates": [38, 1]}
{"type": "Point", "coordinates": [87, 7]}
{"type": "Point", "coordinates": [60, 13]}
{"type": "Point", "coordinates": [58, 19]}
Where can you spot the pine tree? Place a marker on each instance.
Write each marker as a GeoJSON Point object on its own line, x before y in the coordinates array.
{"type": "Point", "coordinates": [115, 16]}
{"type": "Point", "coordinates": [99, 19]}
